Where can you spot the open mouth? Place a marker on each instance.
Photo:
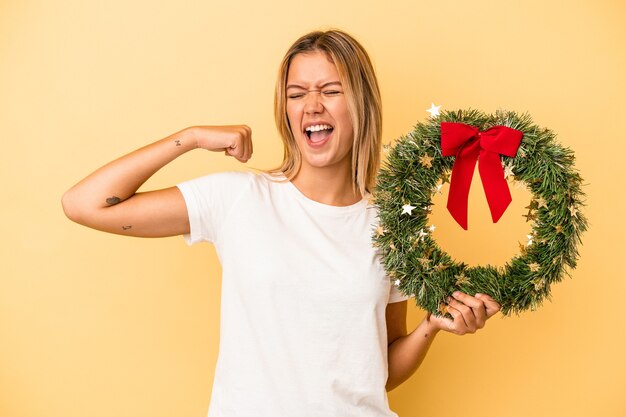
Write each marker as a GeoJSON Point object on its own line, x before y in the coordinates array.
{"type": "Point", "coordinates": [318, 133]}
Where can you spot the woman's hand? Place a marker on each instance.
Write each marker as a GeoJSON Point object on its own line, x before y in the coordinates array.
{"type": "Point", "coordinates": [469, 313]}
{"type": "Point", "coordinates": [235, 141]}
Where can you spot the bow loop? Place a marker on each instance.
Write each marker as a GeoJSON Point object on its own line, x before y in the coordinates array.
{"type": "Point", "coordinates": [469, 145]}
{"type": "Point", "coordinates": [501, 139]}
{"type": "Point", "coordinates": [454, 135]}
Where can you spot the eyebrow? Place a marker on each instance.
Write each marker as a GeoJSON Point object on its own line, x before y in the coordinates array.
{"type": "Point", "coordinates": [322, 86]}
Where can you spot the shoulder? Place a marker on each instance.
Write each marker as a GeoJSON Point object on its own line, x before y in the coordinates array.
{"type": "Point", "coordinates": [234, 182]}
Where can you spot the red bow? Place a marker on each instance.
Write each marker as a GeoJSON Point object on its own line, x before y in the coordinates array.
{"type": "Point", "coordinates": [469, 144]}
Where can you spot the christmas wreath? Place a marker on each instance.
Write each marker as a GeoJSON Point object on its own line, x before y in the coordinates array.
{"type": "Point", "coordinates": [446, 148]}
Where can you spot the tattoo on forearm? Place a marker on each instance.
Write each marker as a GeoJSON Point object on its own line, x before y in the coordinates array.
{"type": "Point", "coordinates": [126, 227]}
{"type": "Point", "coordinates": [177, 142]}
{"type": "Point", "coordinates": [111, 201]}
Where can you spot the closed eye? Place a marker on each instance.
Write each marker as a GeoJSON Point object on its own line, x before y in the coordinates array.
{"type": "Point", "coordinates": [325, 93]}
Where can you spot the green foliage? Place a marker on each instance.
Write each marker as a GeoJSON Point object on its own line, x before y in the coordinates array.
{"type": "Point", "coordinates": [414, 260]}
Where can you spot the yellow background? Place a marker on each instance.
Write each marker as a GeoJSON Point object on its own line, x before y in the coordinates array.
{"type": "Point", "coordinates": [100, 325]}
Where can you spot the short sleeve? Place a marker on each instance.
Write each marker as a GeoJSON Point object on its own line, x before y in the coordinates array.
{"type": "Point", "coordinates": [395, 295]}
{"type": "Point", "coordinates": [209, 200]}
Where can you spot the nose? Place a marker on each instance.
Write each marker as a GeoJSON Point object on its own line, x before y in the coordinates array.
{"type": "Point", "coordinates": [313, 103]}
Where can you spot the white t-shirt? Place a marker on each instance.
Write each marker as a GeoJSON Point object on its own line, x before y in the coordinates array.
{"type": "Point", "coordinates": [303, 329]}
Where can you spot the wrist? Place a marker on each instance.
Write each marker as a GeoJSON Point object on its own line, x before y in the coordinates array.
{"type": "Point", "coordinates": [190, 135]}
{"type": "Point", "coordinates": [430, 324]}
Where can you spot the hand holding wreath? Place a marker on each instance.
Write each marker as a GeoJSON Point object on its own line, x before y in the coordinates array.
{"type": "Point", "coordinates": [469, 313]}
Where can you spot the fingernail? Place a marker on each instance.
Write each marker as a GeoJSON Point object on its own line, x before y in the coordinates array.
{"type": "Point", "coordinates": [456, 293]}
{"type": "Point", "coordinates": [478, 295]}
{"type": "Point", "coordinates": [449, 299]}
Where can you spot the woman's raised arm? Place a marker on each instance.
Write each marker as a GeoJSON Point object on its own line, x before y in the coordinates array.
{"type": "Point", "coordinates": [107, 199]}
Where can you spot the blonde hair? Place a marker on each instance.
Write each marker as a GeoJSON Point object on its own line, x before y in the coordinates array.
{"type": "Point", "coordinates": [358, 79]}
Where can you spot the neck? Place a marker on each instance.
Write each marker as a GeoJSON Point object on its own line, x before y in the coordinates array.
{"type": "Point", "coordinates": [327, 186]}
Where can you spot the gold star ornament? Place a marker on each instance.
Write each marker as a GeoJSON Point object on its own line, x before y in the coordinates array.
{"type": "Point", "coordinates": [522, 248]}
{"type": "Point", "coordinates": [424, 261]}
{"type": "Point", "coordinates": [530, 216]}
{"type": "Point", "coordinates": [461, 279]}
{"type": "Point", "coordinates": [539, 283]}
{"type": "Point", "coordinates": [541, 203]}
{"type": "Point", "coordinates": [508, 171]}
{"type": "Point", "coordinates": [426, 161]}
{"type": "Point", "coordinates": [443, 309]}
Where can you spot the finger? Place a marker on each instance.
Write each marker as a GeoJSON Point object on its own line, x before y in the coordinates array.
{"type": "Point", "coordinates": [248, 148]}
{"type": "Point", "coordinates": [236, 150]}
{"type": "Point", "coordinates": [246, 143]}
{"type": "Point", "coordinates": [467, 299]}
{"type": "Point", "coordinates": [467, 313]}
{"type": "Point", "coordinates": [243, 157]}
{"type": "Point", "coordinates": [232, 150]}
{"type": "Point", "coordinates": [458, 326]}
{"type": "Point", "coordinates": [477, 305]}
{"type": "Point", "coordinates": [491, 305]}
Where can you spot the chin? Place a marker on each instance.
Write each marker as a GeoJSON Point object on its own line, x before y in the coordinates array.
{"type": "Point", "coordinates": [317, 163]}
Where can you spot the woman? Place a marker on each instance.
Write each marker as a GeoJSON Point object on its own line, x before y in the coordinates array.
{"type": "Point", "coordinates": [310, 324]}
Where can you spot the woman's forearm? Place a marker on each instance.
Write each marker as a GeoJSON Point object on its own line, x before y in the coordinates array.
{"type": "Point", "coordinates": [406, 353]}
